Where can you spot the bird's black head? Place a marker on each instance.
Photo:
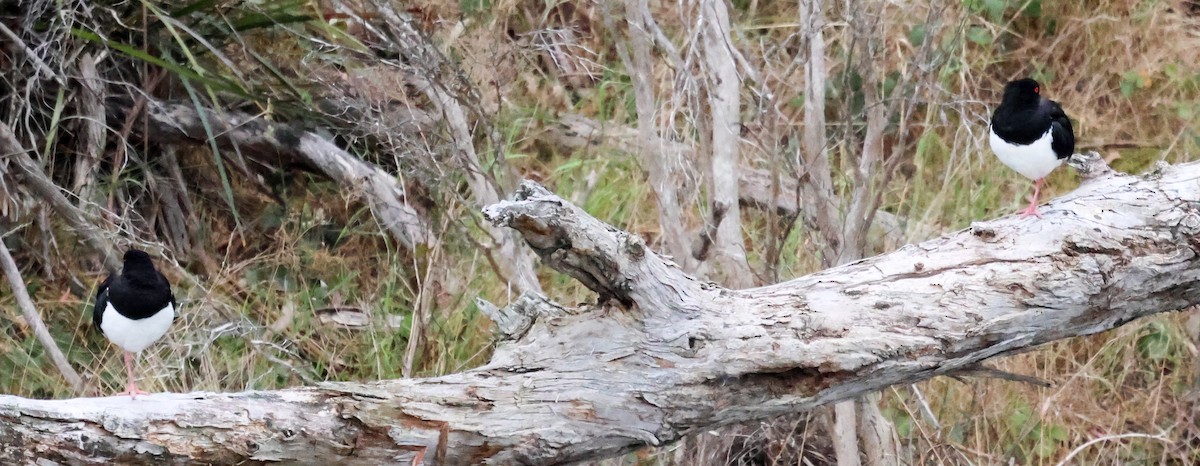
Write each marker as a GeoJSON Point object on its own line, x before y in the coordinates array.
{"type": "Point", "coordinates": [1022, 92]}
{"type": "Point", "coordinates": [136, 256]}
{"type": "Point", "coordinates": [138, 263]}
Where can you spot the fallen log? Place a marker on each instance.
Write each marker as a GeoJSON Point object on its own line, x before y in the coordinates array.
{"type": "Point", "coordinates": [661, 355]}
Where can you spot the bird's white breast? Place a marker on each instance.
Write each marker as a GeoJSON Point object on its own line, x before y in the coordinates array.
{"type": "Point", "coordinates": [1034, 160]}
{"type": "Point", "coordinates": [135, 335]}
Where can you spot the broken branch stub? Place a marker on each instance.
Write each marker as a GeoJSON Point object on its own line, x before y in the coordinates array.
{"type": "Point", "coordinates": [513, 320]}
{"type": "Point", "coordinates": [614, 263]}
{"type": "Point", "coordinates": [1090, 165]}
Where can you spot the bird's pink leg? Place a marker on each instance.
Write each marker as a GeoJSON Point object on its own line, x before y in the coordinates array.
{"type": "Point", "coordinates": [1032, 209]}
{"type": "Point", "coordinates": [131, 388]}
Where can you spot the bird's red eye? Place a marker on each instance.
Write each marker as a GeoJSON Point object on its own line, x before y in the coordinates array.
{"type": "Point", "coordinates": [1037, 89]}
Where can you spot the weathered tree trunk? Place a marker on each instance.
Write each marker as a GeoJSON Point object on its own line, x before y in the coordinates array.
{"type": "Point", "coordinates": [820, 209]}
{"type": "Point", "coordinates": [724, 104]}
{"type": "Point", "coordinates": [662, 354]}
{"type": "Point", "coordinates": [874, 432]}
{"type": "Point", "coordinates": [658, 156]}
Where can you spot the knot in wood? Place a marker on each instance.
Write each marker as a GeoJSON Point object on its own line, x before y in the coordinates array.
{"type": "Point", "coordinates": [983, 232]}
{"type": "Point", "coordinates": [530, 189]}
{"type": "Point", "coordinates": [1190, 223]}
{"type": "Point", "coordinates": [498, 214]}
{"type": "Point", "coordinates": [635, 247]}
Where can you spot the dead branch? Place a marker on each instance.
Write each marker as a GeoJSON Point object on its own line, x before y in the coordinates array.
{"type": "Point", "coordinates": [441, 83]}
{"type": "Point", "coordinates": [178, 123]}
{"type": "Point", "coordinates": [34, 319]}
{"type": "Point", "coordinates": [32, 176]}
{"type": "Point", "coordinates": [874, 432]}
{"type": "Point", "coordinates": [41, 65]}
{"type": "Point", "coordinates": [821, 202]}
{"type": "Point", "coordinates": [663, 354]}
{"type": "Point", "coordinates": [92, 140]}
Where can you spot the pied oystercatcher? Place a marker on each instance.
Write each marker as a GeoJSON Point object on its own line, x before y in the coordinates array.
{"type": "Point", "coordinates": [134, 309]}
{"type": "Point", "coordinates": [1031, 134]}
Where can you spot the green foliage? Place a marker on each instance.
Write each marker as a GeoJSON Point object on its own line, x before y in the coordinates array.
{"type": "Point", "coordinates": [1032, 435]}
{"type": "Point", "coordinates": [993, 10]}
{"type": "Point", "coordinates": [613, 99]}
{"type": "Point", "coordinates": [1131, 82]}
{"type": "Point", "coordinates": [472, 7]}
{"type": "Point", "coordinates": [980, 35]}
{"type": "Point", "coordinates": [996, 11]}
{"type": "Point", "coordinates": [901, 420]}
{"type": "Point", "coordinates": [917, 34]}
{"type": "Point", "coordinates": [1155, 343]}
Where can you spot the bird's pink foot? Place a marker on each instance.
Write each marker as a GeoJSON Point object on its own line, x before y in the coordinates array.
{"type": "Point", "coordinates": [130, 385]}
{"type": "Point", "coordinates": [1032, 211]}
{"type": "Point", "coordinates": [133, 391]}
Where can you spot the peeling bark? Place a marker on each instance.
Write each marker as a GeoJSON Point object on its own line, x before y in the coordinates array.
{"type": "Point", "coordinates": [661, 354]}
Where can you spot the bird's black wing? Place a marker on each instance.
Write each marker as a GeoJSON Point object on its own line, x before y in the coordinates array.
{"type": "Point", "coordinates": [101, 301]}
{"type": "Point", "coordinates": [174, 305]}
{"type": "Point", "coordinates": [1061, 134]}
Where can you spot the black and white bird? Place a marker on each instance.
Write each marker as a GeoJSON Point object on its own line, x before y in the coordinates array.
{"type": "Point", "coordinates": [134, 309]}
{"type": "Point", "coordinates": [1031, 134]}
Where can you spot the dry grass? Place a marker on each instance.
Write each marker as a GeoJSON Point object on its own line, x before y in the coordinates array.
{"type": "Point", "coordinates": [1126, 71]}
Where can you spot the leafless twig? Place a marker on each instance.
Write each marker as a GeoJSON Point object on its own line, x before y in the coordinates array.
{"type": "Point", "coordinates": [34, 319]}
{"type": "Point", "coordinates": [33, 57]}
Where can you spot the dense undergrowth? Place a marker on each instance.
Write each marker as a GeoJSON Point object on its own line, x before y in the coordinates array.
{"type": "Point", "coordinates": [301, 285]}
